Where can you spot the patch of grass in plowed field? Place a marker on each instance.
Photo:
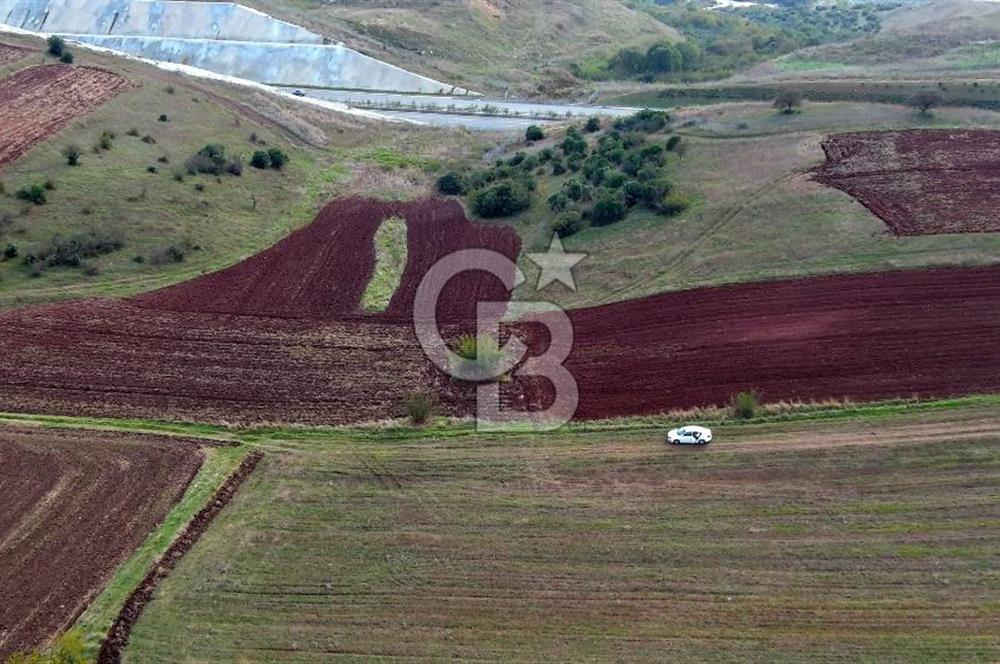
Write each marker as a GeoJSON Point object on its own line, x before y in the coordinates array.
{"type": "Point", "coordinates": [872, 538]}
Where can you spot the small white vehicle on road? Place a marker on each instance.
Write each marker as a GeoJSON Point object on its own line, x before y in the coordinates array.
{"type": "Point", "coordinates": [690, 435]}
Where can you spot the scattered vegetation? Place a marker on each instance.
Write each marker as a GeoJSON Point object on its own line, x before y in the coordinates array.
{"type": "Point", "coordinates": [34, 193]}
{"type": "Point", "coordinates": [599, 181]}
{"type": "Point", "coordinates": [720, 42]}
{"type": "Point", "coordinates": [73, 250]}
{"type": "Point", "coordinates": [69, 649]}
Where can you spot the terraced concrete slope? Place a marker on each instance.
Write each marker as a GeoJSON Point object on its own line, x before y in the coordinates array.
{"type": "Point", "coordinates": [149, 18]}
{"type": "Point", "coordinates": [225, 38]}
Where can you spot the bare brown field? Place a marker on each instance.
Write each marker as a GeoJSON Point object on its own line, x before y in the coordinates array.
{"type": "Point", "coordinates": [75, 504]}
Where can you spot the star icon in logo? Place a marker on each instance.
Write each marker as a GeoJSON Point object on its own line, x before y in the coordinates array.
{"type": "Point", "coordinates": [556, 264]}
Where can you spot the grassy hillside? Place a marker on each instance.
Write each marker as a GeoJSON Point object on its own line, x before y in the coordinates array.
{"type": "Point", "coordinates": [860, 539]}
{"type": "Point", "coordinates": [174, 225]}
{"type": "Point", "coordinates": [484, 45]}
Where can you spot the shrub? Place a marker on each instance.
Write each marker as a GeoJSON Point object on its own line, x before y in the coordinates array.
{"type": "Point", "coordinates": [558, 167]}
{"type": "Point", "coordinates": [148, 140]}
{"type": "Point", "coordinates": [10, 252]}
{"type": "Point", "coordinates": [56, 45]}
{"type": "Point", "coordinates": [674, 203]}
{"type": "Point", "coordinates": [646, 121]}
{"type": "Point", "coordinates": [151, 169]}
{"type": "Point", "coordinates": [260, 159]}
{"type": "Point", "coordinates": [574, 143]}
{"type": "Point", "coordinates": [608, 209]}
{"type": "Point", "coordinates": [49, 185]}
{"type": "Point", "coordinates": [72, 154]}
{"type": "Point", "coordinates": [501, 200]}
{"type": "Point", "coordinates": [175, 253]}
{"type": "Point", "coordinates": [72, 251]}
{"type": "Point", "coordinates": [672, 142]}
{"type": "Point", "coordinates": [451, 184]}
{"type": "Point", "coordinates": [235, 166]}
{"type": "Point", "coordinates": [534, 133]}
{"type": "Point", "coordinates": [558, 202]}
{"type": "Point", "coordinates": [210, 159]}
{"type": "Point", "coordinates": [593, 125]}
{"type": "Point", "coordinates": [162, 118]}
{"type": "Point", "coordinates": [420, 407]}
{"type": "Point", "coordinates": [33, 193]}
{"type": "Point", "coordinates": [132, 132]}
{"type": "Point", "coordinates": [744, 405]}
{"type": "Point", "coordinates": [278, 158]}
{"type": "Point", "coordinates": [66, 58]}
{"type": "Point", "coordinates": [569, 223]}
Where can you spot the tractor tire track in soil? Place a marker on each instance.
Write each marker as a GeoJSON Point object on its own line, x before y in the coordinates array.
{"type": "Point", "coordinates": [920, 181]}
{"type": "Point", "coordinates": [39, 101]}
{"type": "Point", "coordinates": [117, 639]}
{"type": "Point", "coordinates": [76, 505]}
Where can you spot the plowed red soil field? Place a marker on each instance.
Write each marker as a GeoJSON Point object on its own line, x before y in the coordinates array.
{"type": "Point", "coordinates": [75, 505]}
{"type": "Point", "coordinates": [321, 271]}
{"type": "Point", "coordinates": [920, 181]}
{"type": "Point", "coordinates": [868, 336]}
{"type": "Point", "coordinates": [10, 53]}
{"type": "Point", "coordinates": [39, 101]}
{"type": "Point", "coordinates": [277, 338]}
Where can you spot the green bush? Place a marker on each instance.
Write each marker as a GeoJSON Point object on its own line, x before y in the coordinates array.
{"type": "Point", "coordinates": [420, 407]}
{"type": "Point", "coordinates": [568, 223]}
{"type": "Point", "coordinates": [72, 154]}
{"type": "Point", "coordinates": [646, 121]}
{"type": "Point", "coordinates": [260, 159]}
{"type": "Point", "coordinates": [66, 58]}
{"type": "Point", "coordinates": [56, 45]}
{"type": "Point", "coordinates": [480, 357]}
{"type": "Point", "coordinates": [574, 144]}
{"type": "Point", "coordinates": [278, 158]}
{"type": "Point", "coordinates": [558, 202]}
{"type": "Point", "coordinates": [451, 184]}
{"type": "Point", "coordinates": [672, 142]}
{"type": "Point", "coordinates": [608, 209]}
{"type": "Point", "coordinates": [534, 133]}
{"type": "Point", "coordinates": [744, 406]}
{"type": "Point", "coordinates": [501, 200]}
{"type": "Point", "coordinates": [593, 125]}
{"type": "Point", "coordinates": [106, 140]}
{"type": "Point", "coordinates": [34, 193]}
{"type": "Point", "coordinates": [210, 159]}
{"type": "Point", "coordinates": [674, 203]}
{"type": "Point", "coordinates": [10, 252]}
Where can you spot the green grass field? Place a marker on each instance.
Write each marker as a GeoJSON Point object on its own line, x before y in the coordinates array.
{"type": "Point", "coordinates": [868, 538]}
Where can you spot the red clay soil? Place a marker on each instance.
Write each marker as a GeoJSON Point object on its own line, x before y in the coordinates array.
{"type": "Point", "coordinates": [864, 337]}
{"type": "Point", "coordinates": [76, 504]}
{"type": "Point", "coordinates": [39, 101]}
{"type": "Point", "coordinates": [278, 337]}
{"type": "Point", "coordinates": [118, 635]}
{"type": "Point", "coordinates": [920, 181]}
{"type": "Point", "coordinates": [321, 271]}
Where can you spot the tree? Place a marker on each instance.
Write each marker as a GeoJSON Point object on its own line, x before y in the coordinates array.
{"type": "Point", "coordinates": [631, 60]}
{"type": "Point", "coordinates": [925, 100]}
{"type": "Point", "coordinates": [451, 184]}
{"type": "Point", "coordinates": [788, 100]}
{"type": "Point", "coordinates": [534, 133]}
